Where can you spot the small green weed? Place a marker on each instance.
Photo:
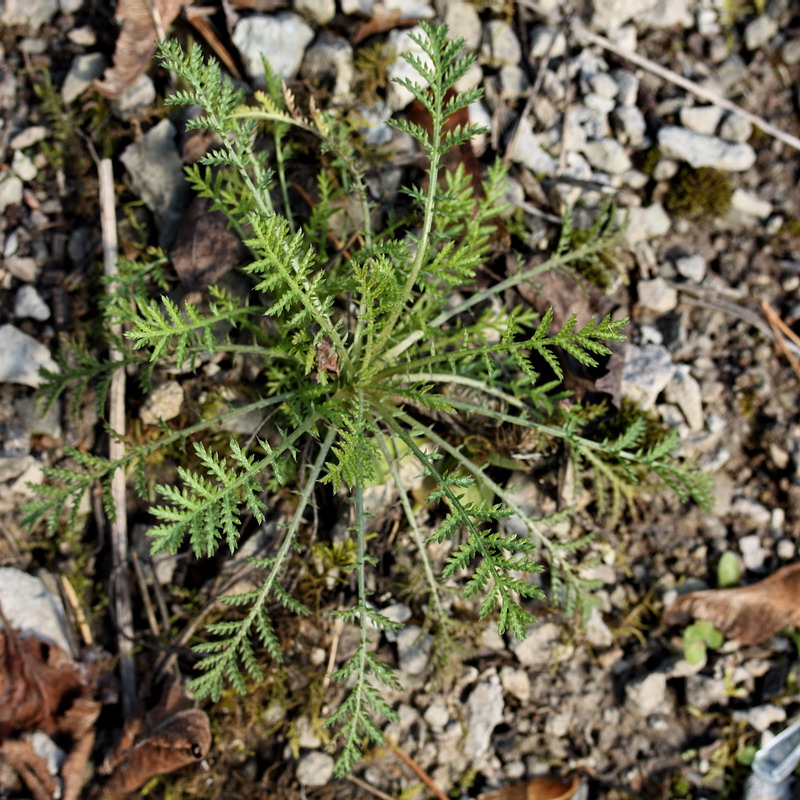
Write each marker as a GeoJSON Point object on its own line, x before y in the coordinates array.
{"type": "Point", "coordinates": [697, 194]}
{"type": "Point", "coordinates": [697, 638]}
{"type": "Point", "coordinates": [356, 354]}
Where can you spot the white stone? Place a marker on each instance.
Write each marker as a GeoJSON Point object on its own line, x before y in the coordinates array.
{"type": "Point", "coordinates": [28, 304]}
{"type": "Point", "coordinates": [163, 404]}
{"type": "Point", "coordinates": [516, 682]}
{"type": "Point", "coordinates": [540, 645]}
{"type": "Point", "coordinates": [701, 119]}
{"type": "Point", "coordinates": [684, 391]}
{"type": "Point", "coordinates": [400, 42]}
{"type": "Point", "coordinates": [82, 71]}
{"type": "Point", "coordinates": [760, 31]}
{"type": "Point", "coordinates": [665, 169]}
{"type": "Point", "coordinates": [464, 23]}
{"type": "Point", "coordinates": [598, 103]}
{"type": "Point", "coordinates": [547, 39]}
{"type": "Point", "coordinates": [603, 84]}
{"type": "Point", "coordinates": [647, 695]}
{"type": "Point", "coordinates": [693, 268]}
{"type": "Point", "coordinates": [751, 510]}
{"type": "Point", "coordinates": [648, 370]}
{"type": "Point", "coordinates": [83, 36]}
{"type": "Point", "coordinates": [629, 124]}
{"type": "Point", "coordinates": [761, 717]}
{"type": "Point", "coordinates": [469, 80]}
{"type": "Point", "coordinates": [610, 15]}
{"type": "Point", "coordinates": [23, 268]}
{"type": "Point", "coordinates": [500, 44]}
{"type": "Point", "coordinates": [484, 712]}
{"type": "Point", "coordinates": [10, 191]}
{"type": "Point", "coordinates": [319, 11]}
{"type": "Point", "coordinates": [628, 85]}
{"type": "Point", "coordinates": [597, 633]}
{"type": "Point", "coordinates": [753, 554]}
{"type": "Point", "coordinates": [330, 59]}
{"type": "Point", "coordinates": [315, 769]}
{"type": "Point", "coordinates": [29, 13]}
{"type": "Point", "coordinates": [657, 295]}
{"type": "Point", "coordinates": [704, 151]}
{"type": "Point", "coordinates": [141, 95]}
{"type": "Point", "coordinates": [30, 607]}
{"type": "Point", "coordinates": [436, 716]}
{"type": "Point", "coordinates": [23, 167]}
{"type": "Point", "coordinates": [747, 203]}
{"type": "Point", "coordinates": [413, 649]}
{"type": "Point", "coordinates": [155, 172]}
{"type": "Point", "coordinates": [513, 81]}
{"type": "Point", "coordinates": [408, 9]}
{"type": "Point", "coordinates": [28, 137]}
{"type": "Point", "coordinates": [607, 155]}
{"type": "Point", "coordinates": [645, 223]}
{"type": "Point", "coordinates": [527, 150]}
{"type": "Point", "coordinates": [281, 38]}
{"type": "Point", "coordinates": [790, 52]}
{"type": "Point", "coordinates": [735, 128]}
{"type": "Point", "coordinates": [21, 356]}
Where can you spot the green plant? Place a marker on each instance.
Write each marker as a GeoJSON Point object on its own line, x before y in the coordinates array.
{"type": "Point", "coordinates": [703, 193]}
{"type": "Point", "coordinates": [357, 355]}
{"type": "Point", "coordinates": [699, 636]}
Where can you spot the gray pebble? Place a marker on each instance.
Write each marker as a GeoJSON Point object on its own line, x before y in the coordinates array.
{"type": "Point", "coordinates": [315, 769]}
{"type": "Point", "coordinates": [28, 304]}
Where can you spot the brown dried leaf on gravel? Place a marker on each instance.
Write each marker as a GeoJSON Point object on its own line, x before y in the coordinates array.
{"type": "Point", "coordinates": [205, 248]}
{"type": "Point", "coordinates": [540, 788]}
{"type": "Point", "coordinates": [142, 23]}
{"type": "Point", "coordinates": [169, 736]}
{"type": "Point", "coordinates": [750, 614]}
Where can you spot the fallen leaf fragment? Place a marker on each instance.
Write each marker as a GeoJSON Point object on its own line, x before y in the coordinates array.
{"type": "Point", "coordinates": [143, 22]}
{"type": "Point", "coordinates": [169, 736]}
{"type": "Point", "coordinates": [750, 614]}
{"type": "Point", "coordinates": [541, 787]}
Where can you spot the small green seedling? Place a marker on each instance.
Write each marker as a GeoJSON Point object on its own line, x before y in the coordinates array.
{"type": "Point", "coordinates": [697, 638]}
{"type": "Point", "coordinates": [729, 570]}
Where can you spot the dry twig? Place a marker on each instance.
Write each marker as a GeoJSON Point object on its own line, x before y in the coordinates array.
{"type": "Point", "coordinates": [417, 770]}
{"type": "Point", "coordinates": [781, 331]}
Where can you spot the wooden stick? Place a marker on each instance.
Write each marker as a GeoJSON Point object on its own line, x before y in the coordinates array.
{"type": "Point", "coordinates": [116, 449]}
{"type": "Point", "coordinates": [77, 611]}
{"type": "Point", "coordinates": [369, 788]}
{"type": "Point", "coordinates": [418, 771]}
{"type": "Point", "coordinates": [582, 32]}
{"type": "Point", "coordinates": [779, 330]}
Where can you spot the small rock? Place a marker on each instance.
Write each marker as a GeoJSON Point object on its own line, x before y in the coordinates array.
{"type": "Point", "coordinates": [747, 203]}
{"type": "Point", "coordinates": [703, 691]}
{"type": "Point", "coordinates": [516, 682]}
{"type": "Point", "coordinates": [141, 95]}
{"type": "Point", "coordinates": [513, 81]}
{"type": "Point", "coordinates": [693, 268]}
{"type": "Point", "coordinates": [463, 21]}
{"type": "Point", "coordinates": [484, 712]}
{"type": "Point", "coordinates": [362, 7]}
{"type": "Point", "coordinates": [665, 169]}
{"type": "Point", "coordinates": [751, 510]}
{"type": "Point", "coordinates": [704, 151]}
{"type": "Point", "coordinates": [645, 223]}
{"type": "Point", "coordinates": [630, 125]}
{"type": "Point", "coordinates": [163, 404]}
{"type": "Point", "coordinates": [684, 391]}
{"type": "Point", "coordinates": [413, 650]}
{"type": "Point", "coordinates": [760, 31]}
{"type": "Point", "coordinates": [546, 39]}
{"type": "Point", "coordinates": [701, 119]}
{"type": "Point", "coordinates": [13, 466]}
{"type": "Point", "coordinates": [281, 37]}
{"type": "Point", "coordinates": [607, 155]}
{"type": "Point", "coordinates": [657, 295]}
{"type": "Point", "coordinates": [790, 52]}
{"type": "Point", "coordinates": [83, 36]}
{"type": "Point", "coordinates": [30, 607]}
{"type": "Point", "coordinates": [599, 104]}
{"type": "Point", "coordinates": [82, 71]}
{"type": "Point", "coordinates": [597, 633]}
{"type": "Point", "coordinates": [647, 695]}
{"type": "Point", "coordinates": [647, 371]}
{"type": "Point", "coordinates": [319, 11]}
{"type": "Point", "coordinates": [29, 137]}
{"type": "Point", "coordinates": [436, 717]}
{"type": "Point", "coordinates": [21, 356]}
{"type": "Point", "coordinates": [500, 44]}
{"type": "Point", "coordinates": [400, 42]}
{"type": "Point", "coordinates": [527, 150]}
{"type": "Point", "coordinates": [10, 191]}
{"type": "Point", "coordinates": [28, 304]}
{"type": "Point", "coordinates": [604, 85]}
{"type": "Point", "coordinates": [330, 60]}
{"type": "Point", "coordinates": [539, 646]}
{"type": "Point", "coordinates": [731, 72]}
{"type": "Point", "coordinates": [23, 167]}
{"type": "Point", "coordinates": [761, 717]}
{"type": "Point", "coordinates": [29, 13]}
{"type": "Point", "coordinates": [23, 268]}
{"type": "Point", "coordinates": [628, 85]}
{"type": "Point", "coordinates": [155, 172]}
{"type": "Point", "coordinates": [786, 549]}
{"type": "Point", "coordinates": [315, 769]}
{"type": "Point", "coordinates": [753, 554]}
{"type": "Point", "coordinates": [735, 128]}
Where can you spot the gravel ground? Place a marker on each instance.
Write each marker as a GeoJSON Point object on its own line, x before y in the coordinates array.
{"type": "Point", "coordinates": [614, 703]}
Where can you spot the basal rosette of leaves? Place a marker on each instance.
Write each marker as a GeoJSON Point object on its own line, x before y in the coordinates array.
{"type": "Point", "coordinates": [357, 352]}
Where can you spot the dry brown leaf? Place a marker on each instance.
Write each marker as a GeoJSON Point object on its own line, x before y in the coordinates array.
{"type": "Point", "coordinates": [169, 736]}
{"type": "Point", "coordinates": [750, 614]}
{"type": "Point", "coordinates": [205, 248]}
{"type": "Point", "coordinates": [539, 788]}
{"type": "Point", "coordinates": [383, 19]}
{"type": "Point", "coordinates": [143, 22]}
{"type": "Point", "coordinates": [327, 358]}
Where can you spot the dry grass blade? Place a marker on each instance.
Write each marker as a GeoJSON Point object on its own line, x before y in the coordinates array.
{"type": "Point", "coordinates": [750, 614]}
{"type": "Point", "coordinates": [781, 331]}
